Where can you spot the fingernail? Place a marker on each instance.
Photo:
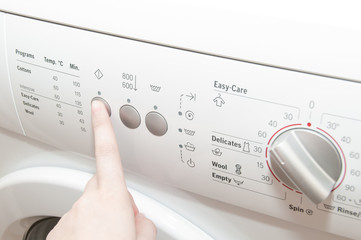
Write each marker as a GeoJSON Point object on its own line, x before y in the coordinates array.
{"type": "Point", "coordinates": [98, 103]}
{"type": "Point", "coordinates": [95, 105]}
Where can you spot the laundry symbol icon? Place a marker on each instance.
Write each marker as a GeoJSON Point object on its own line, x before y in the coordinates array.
{"type": "Point", "coordinates": [246, 147]}
{"type": "Point", "coordinates": [189, 132]}
{"type": "Point", "coordinates": [189, 115]}
{"type": "Point", "coordinates": [217, 152]}
{"type": "Point", "coordinates": [238, 182]}
{"type": "Point", "coordinates": [238, 169]}
{"type": "Point", "coordinates": [155, 88]}
{"type": "Point", "coordinates": [190, 147]}
{"type": "Point", "coordinates": [219, 101]}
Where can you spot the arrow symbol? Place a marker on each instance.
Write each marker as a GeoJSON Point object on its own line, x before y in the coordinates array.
{"type": "Point", "coordinates": [135, 83]}
{"type": "Point", "coordinates": [191, 97]}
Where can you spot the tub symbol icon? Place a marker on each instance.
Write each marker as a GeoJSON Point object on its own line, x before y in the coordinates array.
{"type": "Point", "coordinates": [155, 88]}
{"type": "Point", "coordinates": [238, 182]}
{"type": "Point", "coordinates": [217, 152]}
{"type": "Point", "coordinates": [190, 147]}
{"type": "Point", "coordinates": [189, 132]}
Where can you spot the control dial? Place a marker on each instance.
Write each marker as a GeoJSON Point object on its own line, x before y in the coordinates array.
{"type": "Point", "coordinates": [307, 161]}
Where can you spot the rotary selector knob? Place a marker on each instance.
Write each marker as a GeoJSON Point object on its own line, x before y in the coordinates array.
{"type": "Point", "coordinates": [306, 161]}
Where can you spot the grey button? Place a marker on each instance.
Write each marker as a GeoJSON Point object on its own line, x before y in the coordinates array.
{"type": "Point", "coordinates": [129, 116]}
{"type": "Point", "coordinates": [156, 123]}
{"type": "Point", "coordinates": [105, 103]}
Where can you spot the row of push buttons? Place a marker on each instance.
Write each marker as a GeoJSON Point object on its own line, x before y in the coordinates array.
{"type": "Point", "coordinates": [130, 117]}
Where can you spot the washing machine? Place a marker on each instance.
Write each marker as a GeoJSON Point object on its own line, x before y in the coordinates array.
{"type": "Point", "coordinates": [234, 120]}
{"type": "Point", "coordinates": [35, 193]}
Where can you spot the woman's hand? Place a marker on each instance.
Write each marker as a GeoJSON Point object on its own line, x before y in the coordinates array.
{"type": "Point", "coordinates": [106, 209]}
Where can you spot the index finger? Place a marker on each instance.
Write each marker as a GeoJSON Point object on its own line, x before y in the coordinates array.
{"type": "Point", "coordinates": [108, 163]}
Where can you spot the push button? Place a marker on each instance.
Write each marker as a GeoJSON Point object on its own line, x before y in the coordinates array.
{"type": "Point", "coordinates": [156, 123]}
{"type": "Point", "coordinates": [129, 116]}
{"type": "Point", "coordinates": [105, 103]}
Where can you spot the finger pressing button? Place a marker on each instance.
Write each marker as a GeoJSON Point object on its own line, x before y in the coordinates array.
{"type": "Point", "coordinates": [106, 104]}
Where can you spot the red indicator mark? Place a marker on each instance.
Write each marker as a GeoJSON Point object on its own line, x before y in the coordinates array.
{"type": "Point", "coordinates": [287, 186]}
{"type": "Point", "coordinates": [266, 151]}
{"type": "Point", "coordinates": [309, 124]}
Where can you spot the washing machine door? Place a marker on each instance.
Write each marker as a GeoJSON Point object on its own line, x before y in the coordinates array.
{"type": "Point", "coordinates": [33, 199]}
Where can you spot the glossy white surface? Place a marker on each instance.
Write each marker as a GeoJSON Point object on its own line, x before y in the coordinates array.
{"type": "Point", "coordinates": [217, 219]}
{"type": "Point", "coordinates": [208, 102]}
{"type": "Point", "coordinates": [46, 191]}
{"type": "Point", "coordinates": [321, 37]}
{"type": "Point", "coordinates": [9, 118]}
{"type": "Point", "coordinates": [238, 104]}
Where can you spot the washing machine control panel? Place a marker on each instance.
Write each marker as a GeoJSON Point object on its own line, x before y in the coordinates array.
{"type": "Point", "coordinates": [279, 142]}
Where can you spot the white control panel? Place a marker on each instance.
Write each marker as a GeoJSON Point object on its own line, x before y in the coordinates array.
{"type": "Point", "coordinates": [278, 142]}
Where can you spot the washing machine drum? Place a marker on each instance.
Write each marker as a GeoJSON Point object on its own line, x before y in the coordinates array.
{"type": "Point", "coordinates": [40, 229]}
{"type": "Point", "coordinates": [33, 199]}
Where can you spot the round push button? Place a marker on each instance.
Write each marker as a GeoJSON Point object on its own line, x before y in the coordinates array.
{"type": "Point", "coordinates": [129, 116]}
{"type": "Point", "coordinates": [105, 103]}
{"type": "Point", "coordinates": [156, 123]}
